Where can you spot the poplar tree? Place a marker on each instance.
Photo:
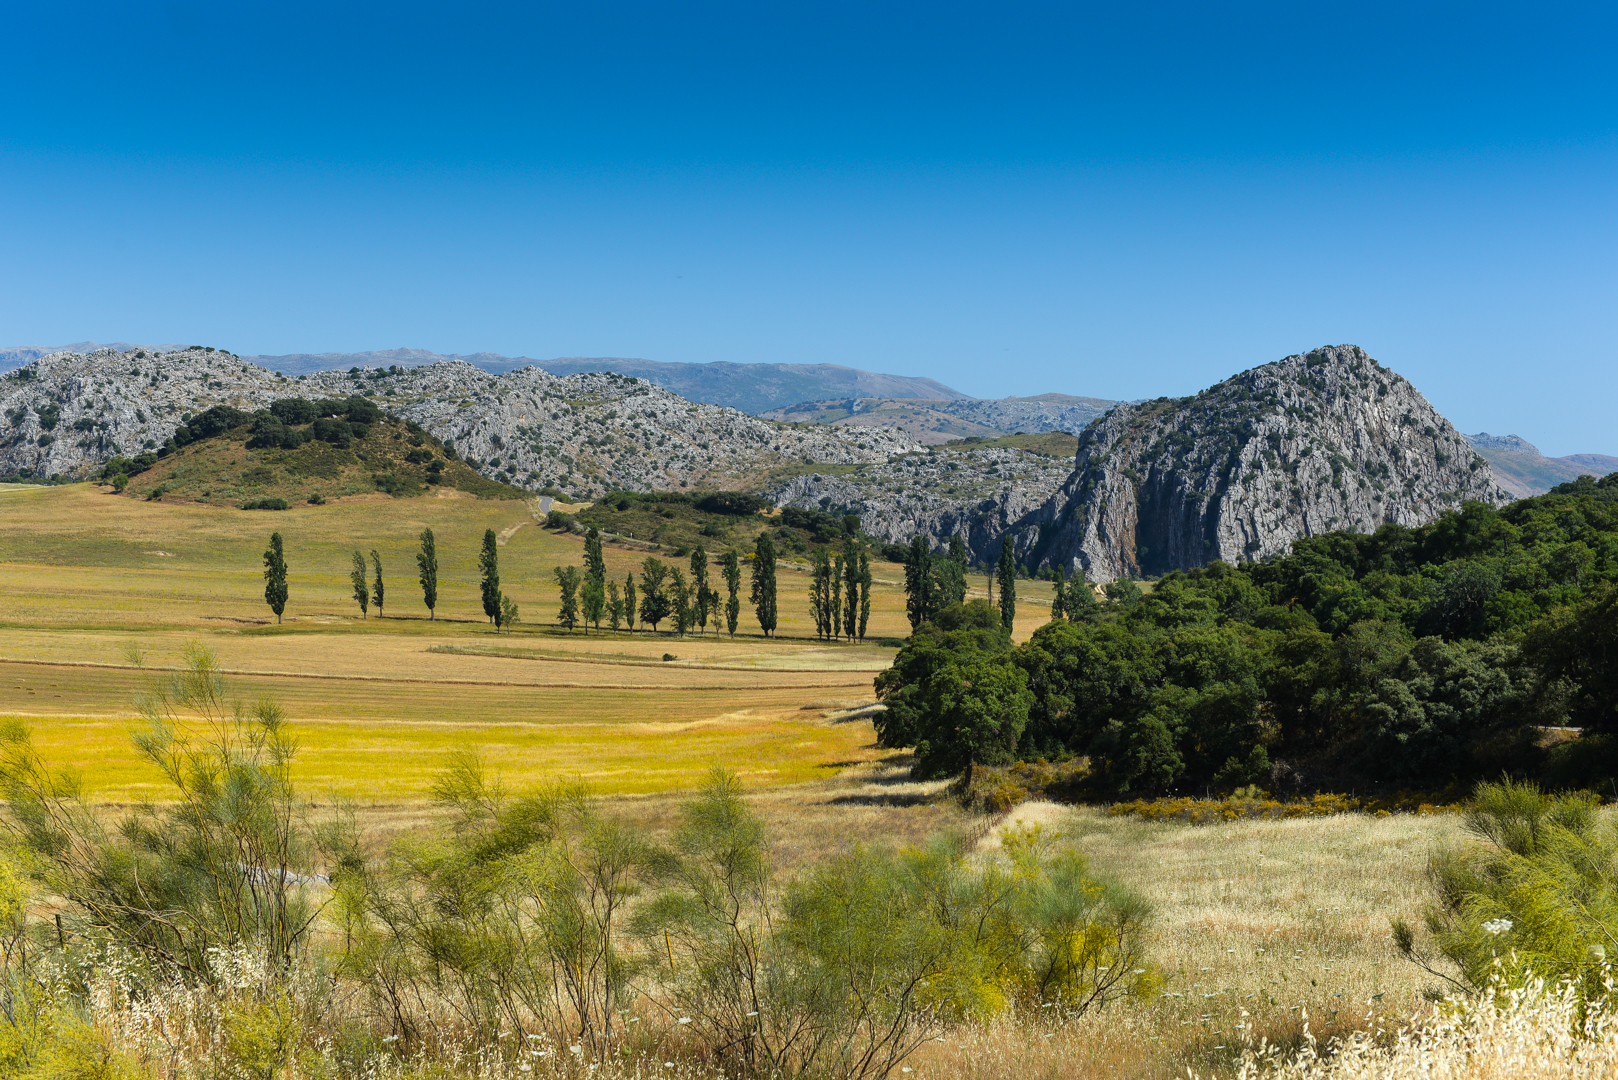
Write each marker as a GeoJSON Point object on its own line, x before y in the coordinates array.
{"type": "Point", "coordinates": [489, 567]}
{"type": "Point", "coordinates": [763, 594]}
{"type": "Point", "coordinates": [362, 587]}
{"type": "Point", "coordinates": [427, 563]}
{"type": "Point", "coordinates": [819, 594]}
{"type": "Point", "coordinates": [920, 588]}
{"type": "Point", "coordinates": [568, 578]}
{"type": "Point", "coordinates": [951, 574]}
{"type": "Point", "coordinates": [654, 602]}
{"type": "Point", "coordinates": [732, 566]}
{"type": "Point", "coordinates": [865, 592]}
{"type": "Point", "coordinates": [837, 599]}
{"type": "Point", "coordinates": [680, 601]}
{"type": "Point", "coordinates": [595, 566]}
{"type": "Point", "coordinates": [1007, 580]}
{"type": "Point", "coordinates": [275, 577]}
{"type": "Point", "coordinates": [701, 593]}
{"type": "Point", "coordinates": [629, 602]}
{"type": "Point", "coordinates": [376, 586]}
{"type": "Point", "coordinates": [1059, 601]}
{"type": "Point", "coordinates": [593, 593]}
{"type": "Point", "coordinates": [508, 613]}
{"type": "Point", "coordinates": [615, 607]}
{"type": "Point", "coordinates": [851, 586]}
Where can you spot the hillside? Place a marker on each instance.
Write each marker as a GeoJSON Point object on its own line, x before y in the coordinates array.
{"type": "Point", "coordinates": [352, 451]}
{"type": "Point", "coordinates": [757, 388]}
{"type": "Point", "coordinates": [1329, 440]}
{"type": "Point", "coordinates": [65, 415]}
{"type": "Point", "coordinates": [1524, 471]}
{"type": "Point", "coordinates": [975, 488]}
{"type": "Point", "coordinates": [934, 423]}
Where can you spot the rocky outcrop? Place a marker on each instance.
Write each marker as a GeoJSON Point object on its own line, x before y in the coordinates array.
{"type": "Point", "coordinates": [963, 490]}
{"type": "Point", "coordinates": [66, 414]}
{"type": "Point", "coordinates": [1322, 441]}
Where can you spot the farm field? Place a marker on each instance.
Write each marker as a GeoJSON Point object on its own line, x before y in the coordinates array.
{"type": "Point", "coordinates": [100, 593]}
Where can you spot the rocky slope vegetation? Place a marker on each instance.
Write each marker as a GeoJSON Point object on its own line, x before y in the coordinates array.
{"type": "Point", "coordinates": [66, 414]}
{"type": "Point", "coordinates": [934, 423]}
{"type": "Point", "coordinates": [976, 489]}
{"type": "Point", "coordinates": [1317, 442]}
{"type": "Point", "coordinates": [1524, 471]}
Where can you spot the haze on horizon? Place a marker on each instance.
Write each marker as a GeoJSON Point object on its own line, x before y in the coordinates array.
{"type": "Point", "coordinates": [1089, 199]}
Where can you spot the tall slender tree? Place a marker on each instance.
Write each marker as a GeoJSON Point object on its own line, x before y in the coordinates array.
{"type": "Point", "coordinates": [865, 593]}
{"type": "Point", "coordinates": [819, 590]}
{"type": "Point", "coordinates": [763, 594]}
{"type": "Point", "coordinates": [595, 565]}
{"type": "Point", "coordinates": [851, 586]}
{"type": "Point", "coordinates": [1059, 601]}
{"type": "Point", "coordinates": [837, 598]}
{"type": "Point", "coordinates": [593, 591]}
{"type": "Point", "coordinates": [732, 566]}
{"type": "Point", "coordinates": [275, 577]}
{"type": "Point", "coordinates": [951, 574]}
{"type": "Point", "coordinates": [921, 590]}
{"type": "Point", "coordinates": [654, 601]}
{"type": "Point", "coordinates": [567, 578]}
{"type": "Point", "coordinates": [702, 595]}
{"type": "Point", "coordinates": [508, 613]}
{"type": "Point", "coordinates": [427, 563]}
{"type": "Point", "coordinates": [376, 585]}
{"type": "Point", "coordinates": [1006, 578]}
{"type": "Point", "coordinates": [489, 568]}
{"type": "Point", "coordinates": [629, 601]}
{"type": "Point", "coordinates": [362, 585]}
{"type": "Point", "coordinates": [681, 602]}
{"type": "Point", "coordinates": [615, 607]}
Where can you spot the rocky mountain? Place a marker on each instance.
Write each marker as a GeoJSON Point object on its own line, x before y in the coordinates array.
{"type": "Point", "coordinates": [65, 414]}
{"type": "Point", "coordinates": [1325, 440]}
{"type": "Point", "coordinates": [18, 355]}
{"type": "Point", "coordinates": [754, 388]}
{"type": "Point", "coordinates": [935, 423]}
{"type": "Point", "coordinates": [974, 488]}
{"type": "Point", "coordinates": [1524, 471]}
{"type": "Point", "coordinates": [757, 388]}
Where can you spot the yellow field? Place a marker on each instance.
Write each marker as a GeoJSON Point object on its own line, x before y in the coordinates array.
{"type": "Point", "coordinates": [87, 576]}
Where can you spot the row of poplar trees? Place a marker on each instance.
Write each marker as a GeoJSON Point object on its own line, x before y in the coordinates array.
{"type": "Point", "coordinates": [934, 582]}
{"type": "Point", "coordinates": [839, 599]}
{"type": "Point", "coordinates": [500, 609]}
{"type": "Point", "coordinates": [840, 593]}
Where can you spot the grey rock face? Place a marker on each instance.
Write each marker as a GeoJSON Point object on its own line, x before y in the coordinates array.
{"type": "Point", "coordinates": [66, 414]}
{"type": "Point", "coordinates": [976, 494]}
{"type": "Point", "coordinates": [1313, 443]}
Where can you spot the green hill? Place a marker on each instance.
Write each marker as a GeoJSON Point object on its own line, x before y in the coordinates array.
{"type": "Point", "coordinates": [298, 451]}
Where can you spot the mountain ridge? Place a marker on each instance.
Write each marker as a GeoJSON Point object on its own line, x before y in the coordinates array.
{"type": "Point", "coordinates": [1312, 443]}
{"type": "Point", "coordinates": [1524, 471]}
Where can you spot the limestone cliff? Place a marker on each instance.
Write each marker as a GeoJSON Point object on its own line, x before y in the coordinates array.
{"type": "Point", "coordinates": [1313, 443]}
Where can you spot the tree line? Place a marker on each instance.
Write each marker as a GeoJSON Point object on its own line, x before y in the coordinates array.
{"type": "Point", "coordinates": [840, 589]}
{"type": "Point", "coordinates": [689, 598]}
{"type": "Point", "coordinates": [1409, 657]}
{"type": "Point", "coordinates": [368, 587]}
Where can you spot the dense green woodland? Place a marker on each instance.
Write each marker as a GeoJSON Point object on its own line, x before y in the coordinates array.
{"type": "Point", "coordinates": [1408, 658]}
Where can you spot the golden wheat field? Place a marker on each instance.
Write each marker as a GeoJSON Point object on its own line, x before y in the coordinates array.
{"type": "Point", "coordinates": [1257, 925]}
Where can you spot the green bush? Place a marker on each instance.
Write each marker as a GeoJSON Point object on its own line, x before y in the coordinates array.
{"type": "Point", "coordinates": [1538, 897]}
{"type": "Point", "coordinates": [265, 504]}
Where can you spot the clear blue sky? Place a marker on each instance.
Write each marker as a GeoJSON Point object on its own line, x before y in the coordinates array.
{"type": "Point", "coordinates": [1121, 200]}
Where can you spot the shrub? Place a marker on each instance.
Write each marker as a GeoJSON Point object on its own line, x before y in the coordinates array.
{"type": "Point", "coordinates": [1538, 897]}
{"type": "Point", "coordinates": [265, 504]}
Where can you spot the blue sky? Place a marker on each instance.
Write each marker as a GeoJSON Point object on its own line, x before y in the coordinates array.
{"type": "Point", "coordinates": [1115, 200]}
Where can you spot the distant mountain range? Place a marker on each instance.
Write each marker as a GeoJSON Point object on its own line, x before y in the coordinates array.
{"type": "Point", "coordinates": [1524, 471]}
{"type": "Point", "coordinates": [751, 388]}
